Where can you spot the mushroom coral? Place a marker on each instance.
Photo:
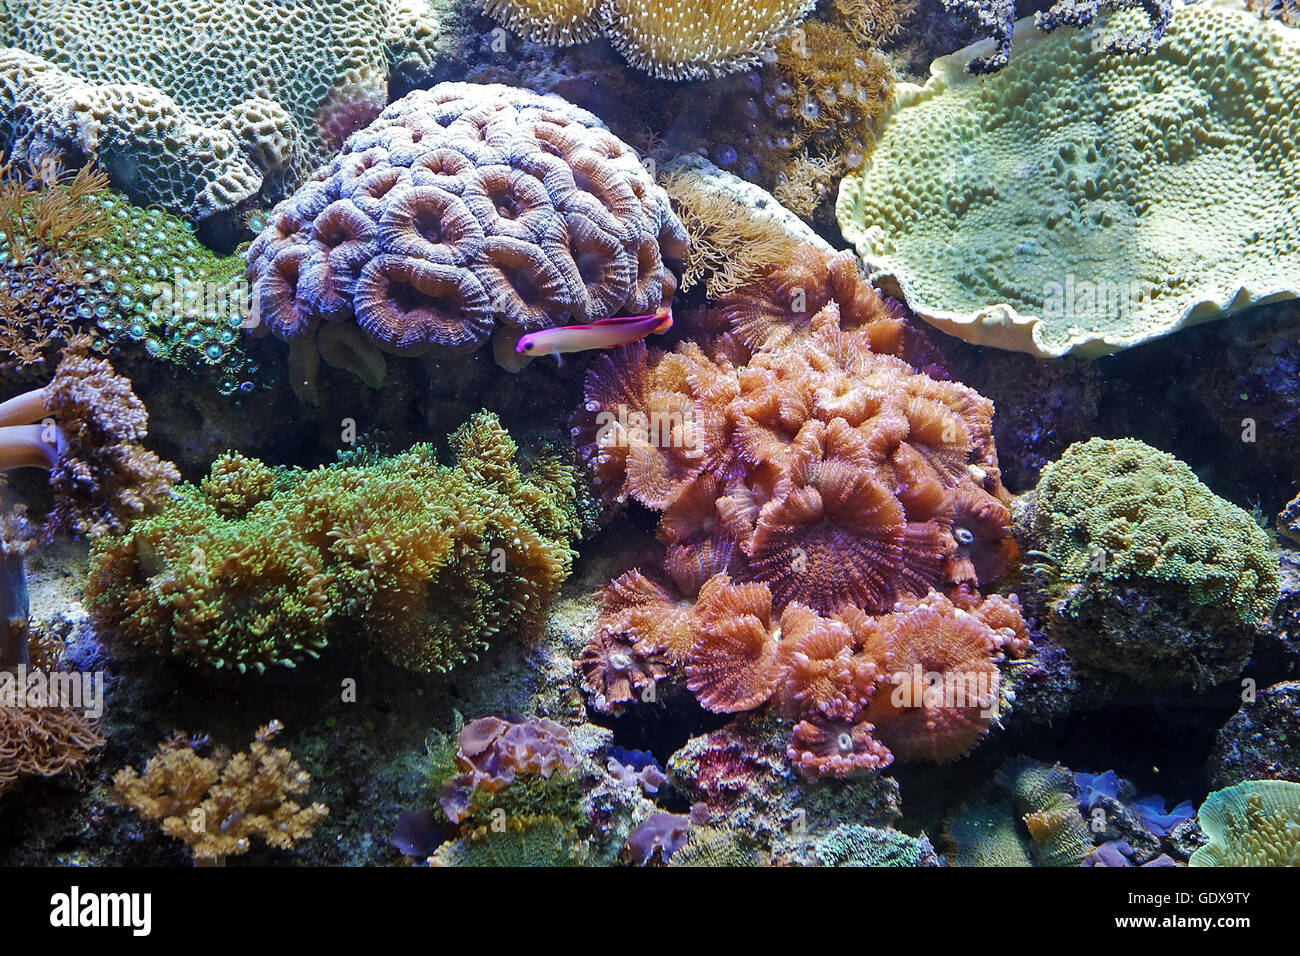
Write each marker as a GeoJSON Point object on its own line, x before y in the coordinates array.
{"type": "Point", "coordinates": [86, 427]}
{"type": "Point", "coordinates": [828, 513]}
{"type": "Point", "coordinates": [429, 561]}
{"type": "Point", "coordinates": [803, 442]}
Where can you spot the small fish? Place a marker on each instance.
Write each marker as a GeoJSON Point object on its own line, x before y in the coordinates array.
{"type": "Point", "coordinates": [601, 334]}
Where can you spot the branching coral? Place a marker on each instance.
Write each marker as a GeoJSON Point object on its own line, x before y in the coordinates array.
{"type": "Point", "coordinates": [89, 437]}
{"type": "Point", "coordinates": [430, 561]}
{"type": "Point", "coordinates": [218, 805]}
{"type": "Point", "coordinates": [459, 205]}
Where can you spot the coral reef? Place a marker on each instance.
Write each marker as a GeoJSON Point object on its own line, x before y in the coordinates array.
{"type": "Point", "coordinates": [91, 426]}
{"type": "Point", "coordinates": [850, 483]}
{"type": "Point", "coordinates": [1255, 823]}
{"type": "Point", "coordinates": [1149, 574]}
{"type": "Point", "coordinates": [1082, 152]}
{"type": "Point", "coordinates": [43, 214]}
{"type": "Point", "coordinates": [459, 205]}
{"type": "Point", "coordinates": [217, 805]}
{"type": "Point", "coordinates": [77, 257]}
{"type": "Point", "coordinates": [851, 844]}
{"type": "Point", "coordinates": [802, 120]}
{"type": "Point", "coordinates": [429, 561]}
{"type": "Point", "coordinates": [200, 106]}
{"type": "Point", "coordinates": [738, 778]}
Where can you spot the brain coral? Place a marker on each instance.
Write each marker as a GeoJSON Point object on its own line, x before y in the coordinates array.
{"type": "Point", "coordinates": [1078, 202]}
{"type": "Point", "coordinates": [1256, 823]}
{"type": "Point", "coordinates": [430, 561]}
{"type": "Point", "coordinates": [1154, 576]}
{"type": "Point", "coordinates": [257, 90]}
{"type": "Point", "coordinates": [152, 150]}
{"type": "Point", "coordinates": [461, 204]}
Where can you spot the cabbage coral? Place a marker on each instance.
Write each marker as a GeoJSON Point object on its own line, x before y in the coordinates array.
{"type": "Point", "coordinates": [430, 561]}
{"type": "Point", "coordinates": [1256, 823]}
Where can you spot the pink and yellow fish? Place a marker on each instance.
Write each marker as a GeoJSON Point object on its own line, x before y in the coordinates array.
{"type": "Point", "coordinates": [601, 334]}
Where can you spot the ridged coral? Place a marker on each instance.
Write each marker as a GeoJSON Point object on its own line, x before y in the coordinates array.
{"type": "Point", "coordinates": [461, 205]}
{"type": "Point", "coordinates": [1153, 576]}
{"type": "Point", "coordinates": [1256, 823]}
{"type": "Point", "coordinates": [1068, 225]}
{"type": "Point", "coordinates": [152, 150]}
{"type": "Point", "coordinates": [203, 104]}
{"type": "Point", "coordinates": [430, 561]}
{"type": "Point", "coordinates": [218, 805]}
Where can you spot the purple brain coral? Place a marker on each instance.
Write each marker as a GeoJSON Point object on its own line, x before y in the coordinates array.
{"type": "Point", "coordinates": [460, 207]}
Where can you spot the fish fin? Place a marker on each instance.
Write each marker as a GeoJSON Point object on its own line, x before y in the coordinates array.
{"type": "Point", "coordinates": [663, 326]}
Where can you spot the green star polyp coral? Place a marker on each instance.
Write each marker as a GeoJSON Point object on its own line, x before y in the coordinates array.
{"type": "Point", "coordinates": [429, 561]}
{"type": "Point", "coordinates": [1079, 202]}
{"type": "Point", "coordinates": [1154, 576]}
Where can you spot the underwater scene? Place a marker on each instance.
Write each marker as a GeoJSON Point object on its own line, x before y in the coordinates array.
{"type": "Point", "coordinates": [649, 433]}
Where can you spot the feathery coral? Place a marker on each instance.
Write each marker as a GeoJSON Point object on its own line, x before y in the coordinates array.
{"type": "Point", "coordinates": [218, 805]}
{"type": "Point", "coordinates": [430, 561]}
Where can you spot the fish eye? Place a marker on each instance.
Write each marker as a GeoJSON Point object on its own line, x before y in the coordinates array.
{"type": "Point", "coordinates": [528, 346]}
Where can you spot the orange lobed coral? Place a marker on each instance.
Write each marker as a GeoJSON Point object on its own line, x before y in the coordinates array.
{"type": "Point", "coordinates": [828, 514]}
{"type": "Point", "coordinates": [802, 439]}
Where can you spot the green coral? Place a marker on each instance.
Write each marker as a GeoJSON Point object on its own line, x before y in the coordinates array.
{"type": "Point", "coordinates": [516, 841]}
{"type": "Point", "coordinates": [1045, 798]}
{"type": "Point", "coordinates": [1078, 202]}
{"type": "Point", "coordinates": [851, 844]}
{"type": "Point", "coordinates": [715, 847]}
{"type": "Point", "coordinates": [1256, 823]}
{"type": "Point", "coordinates": [986, 833]}
{"type": "Point", "coordinates": [1153, 576]}
{"type": "Point", "coordinates": [150, 281]}
{"type": "Point", "coordinates": [429, 561]}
